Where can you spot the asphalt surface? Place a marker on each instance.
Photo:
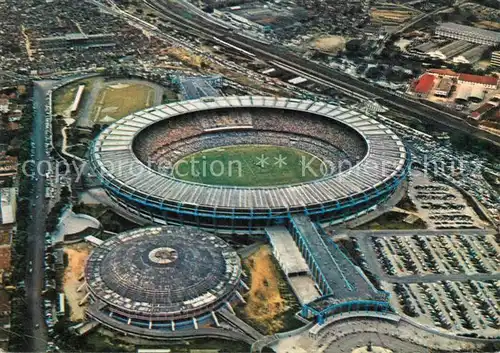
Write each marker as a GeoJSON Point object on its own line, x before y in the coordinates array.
{"type": "Point", "coordinates": [349, 343]}
{"type": "Point", "coordinates": [455, 277]}
{"type": "Point", "coordinates": [36, 230]}
{"type": "Point", "coordinates": [422, 232]}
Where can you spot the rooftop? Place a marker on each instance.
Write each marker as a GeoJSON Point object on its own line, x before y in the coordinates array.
{"type": "Point", "coordinates": [346, 282]}
{"type": "Point", "coordinates": [455, 27]}
{"type": "Point", "coordinates": [8, 205]}
{"type": "Point", "coordinates": [162, 270]}
{"type": "Point", "coordinates": [425, 84]}
{"type": "Point", "coordinates": [485, 80]}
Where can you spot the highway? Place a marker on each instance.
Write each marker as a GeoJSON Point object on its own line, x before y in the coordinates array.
{"type": "Point", "coordinates": [185, 19]}
{"type": "Point", "coordinates": [36, 231]}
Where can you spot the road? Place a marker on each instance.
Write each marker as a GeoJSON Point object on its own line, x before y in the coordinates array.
{"type": "Point", "coordinates": [455, 277]}
{"type": "Point", "coordinates": [421, 232]}
{"type": "Point", "coordinates": [349, 343]}
{"type": "Point", "coordinates": [240, 324]}
{"type": "Point", "coordinates": [36, 230]}
{"type": "Point", "coordinates": [185, 19]}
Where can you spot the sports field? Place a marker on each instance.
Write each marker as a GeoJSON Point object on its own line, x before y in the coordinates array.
{"type": "Point", "coordinates": [64, 96]}
{"type": "Point", "coordinates": [250, 165]}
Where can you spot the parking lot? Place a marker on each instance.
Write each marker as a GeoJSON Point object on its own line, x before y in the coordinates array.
{"type": "Point", "coordinates": [438, 254]}
{"type": "Point", "coordinates": [441, 206]}
{"type": "Point", "coordinates": [468, 308]}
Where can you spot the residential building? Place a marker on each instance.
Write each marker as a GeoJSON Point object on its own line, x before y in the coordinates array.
{"type": "Point", "coordinates": [495, 59]}
{"type": "Point", "coordinates": [4, 105]}
{"type": "Point", "coordinates": [444, 87]}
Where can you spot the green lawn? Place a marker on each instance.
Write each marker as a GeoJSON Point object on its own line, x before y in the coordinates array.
{"type": "Point", "coordinates": [249, 165]}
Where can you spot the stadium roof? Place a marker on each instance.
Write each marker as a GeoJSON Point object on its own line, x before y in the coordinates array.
{"type": "Point", "coordinates": [113, 160]}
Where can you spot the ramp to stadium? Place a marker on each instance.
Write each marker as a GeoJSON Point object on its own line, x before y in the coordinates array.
{"type": "Point", "coordinates": [340, 285]}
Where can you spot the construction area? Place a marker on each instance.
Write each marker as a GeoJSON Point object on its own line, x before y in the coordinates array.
{"type": "Point", "coordinates": [391, 14]}
{"type": "Point", "coordinates": [77, 256]}
{"type": "Point", "coordinates": [269, 302]}
{"type": "Point", "coordinates": [329, 44]}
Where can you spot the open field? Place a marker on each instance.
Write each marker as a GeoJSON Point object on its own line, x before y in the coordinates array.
{"type": "Point", "coordinates": [117, 100]}
{"type": "Point", "coordinates": [249, 165]}
{"type": "Point", "coordinates": [77, 258]}
{"type": "Point", "coordinates": [270, 303]}
{"type": "Point", "coordinates": [330, 44]}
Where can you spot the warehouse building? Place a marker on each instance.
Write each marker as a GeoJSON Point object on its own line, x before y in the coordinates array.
{"type": "Point", "coordinates": [467, 33]}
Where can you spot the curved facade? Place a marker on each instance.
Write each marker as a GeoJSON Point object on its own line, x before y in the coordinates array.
{"type": "Point", "coordinates": [160, 277]}
{"type": "Point", "coordinates": [120, 157]}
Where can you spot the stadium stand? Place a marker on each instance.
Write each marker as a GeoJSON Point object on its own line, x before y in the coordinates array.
{"type": "Point", "coordinates": [122, 157]}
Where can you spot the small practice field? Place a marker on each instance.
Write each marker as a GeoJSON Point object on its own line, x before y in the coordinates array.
{"type": "Point", "coordinates": [105, 101]}
{"type": "Point", "coordinates": [117, 100]}
{"type": "Point", "coordinates": [250, 166]}
{"type": "Point", "coordinates": [64, 96]}
{"type": "Point", "coordinates": [330, 44]}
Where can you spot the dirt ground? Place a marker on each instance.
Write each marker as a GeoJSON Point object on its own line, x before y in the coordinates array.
{"type": "Point", "coordinates": [264, 300]}
{"type": "Point", "coordinates": [391, 16]}
{"type": "Point", "coordinates": [488, 25]}
{"type": "Point", "coordinates": [77, 258]}
{"type": "Point", "coordinates": [330, 44]}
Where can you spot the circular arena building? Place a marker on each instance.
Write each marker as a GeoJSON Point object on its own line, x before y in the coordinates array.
{"type": "Point", "coordinates": [161, 278]}
{"type": "Point", "coordinates": [341, 163]}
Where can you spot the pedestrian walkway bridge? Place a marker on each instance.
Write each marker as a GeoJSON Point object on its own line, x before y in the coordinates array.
{"type": "Point", "coordinates": [342, 286]}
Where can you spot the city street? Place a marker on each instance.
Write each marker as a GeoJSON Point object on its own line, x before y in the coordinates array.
{"type": "Point", "coordinates": [36, 231]}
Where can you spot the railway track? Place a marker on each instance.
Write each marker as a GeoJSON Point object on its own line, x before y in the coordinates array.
{"type": "Point", "coordinates": [181, 17]}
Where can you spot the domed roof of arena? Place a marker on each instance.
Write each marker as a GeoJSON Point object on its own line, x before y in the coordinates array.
{"type": "Point", "coordinates": [162, 270]}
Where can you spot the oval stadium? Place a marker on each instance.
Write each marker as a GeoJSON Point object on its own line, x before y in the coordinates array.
{"type": "Point", "coordinates": [249, 162]}
{"type": "Point", "coordinates": [161, 278]}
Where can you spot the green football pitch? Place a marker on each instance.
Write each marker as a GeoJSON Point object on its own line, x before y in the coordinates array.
{"type": "Point", "coordinates": [249, 165]}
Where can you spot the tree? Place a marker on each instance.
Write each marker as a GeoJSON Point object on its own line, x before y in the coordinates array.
{"type": "Point", "coordinates": [65, 193]}
{"type": "Point", "coordinates": [374, 72]}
